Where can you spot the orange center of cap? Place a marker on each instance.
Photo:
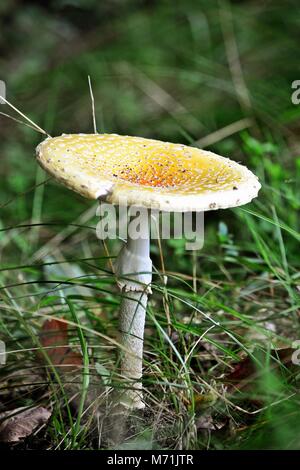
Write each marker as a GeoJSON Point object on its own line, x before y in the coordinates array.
{"type": "Point", "coordinates": [138, 161]}
{"type": "Point", "coordinates": [164, 173]}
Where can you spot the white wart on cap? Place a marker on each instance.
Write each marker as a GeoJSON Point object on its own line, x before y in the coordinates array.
{"type": "Point", "coordinates": [146, 172]}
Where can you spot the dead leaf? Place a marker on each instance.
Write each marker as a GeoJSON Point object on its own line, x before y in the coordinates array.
{"type": "Point", "coordinates": [54, 337]}
{"type": "Point", "coordinates": [68, 363]}
{"type": "Point", "coordinates": [205, 422]}
{"type": "Point", "coordinates": [17, 424]}
{"type": "Point", "coordinates": [246, 370]}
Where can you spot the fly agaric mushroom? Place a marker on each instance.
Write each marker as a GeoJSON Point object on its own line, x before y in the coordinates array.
{"type": "Point", "coordinates": [151, 174]}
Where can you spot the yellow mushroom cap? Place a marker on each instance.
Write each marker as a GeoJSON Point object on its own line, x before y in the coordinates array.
{"type": "Point", "coordinates": [146, 172]}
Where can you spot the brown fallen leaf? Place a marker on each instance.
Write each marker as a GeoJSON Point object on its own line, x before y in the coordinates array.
{"type": "Point", "coordinates": [68, 363]}
{"type": "Point", "coordinates": [17, 424]}
{"type": "Point", "coordinates": [54, 337]}
{"type": "Point", "coordinates": [206, 422]}
{"type": "Point", "coordinates": [246, 370]}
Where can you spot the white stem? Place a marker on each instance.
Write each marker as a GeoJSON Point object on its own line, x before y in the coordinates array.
{"type": "Point", "coordinates": [135, 266]}
{"type": "Point", "coordinates": [131, 325]}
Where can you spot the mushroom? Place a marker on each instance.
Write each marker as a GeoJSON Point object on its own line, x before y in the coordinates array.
{"type": "Point", "coordinates": [134, 171]}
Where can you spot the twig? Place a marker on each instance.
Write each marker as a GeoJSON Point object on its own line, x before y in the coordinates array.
{"type": "Point", "coordinates": [93, 105]}
{"type": "Point", "coordinates": [25, 117]}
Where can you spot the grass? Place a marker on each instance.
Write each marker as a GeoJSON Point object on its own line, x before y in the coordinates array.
{"type": "Point", "coordinates": [215, 377]}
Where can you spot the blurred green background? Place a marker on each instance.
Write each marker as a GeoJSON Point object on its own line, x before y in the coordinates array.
{"type": "Point", "coordinates": [176, 71]}
{"type": "Point", "coordinates": [212, 74]}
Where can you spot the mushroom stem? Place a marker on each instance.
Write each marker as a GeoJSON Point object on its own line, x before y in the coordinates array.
{"type": "Point", "coordinates": [131, 325]}
{"type": "Point", "coordinates": [133, 268]}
